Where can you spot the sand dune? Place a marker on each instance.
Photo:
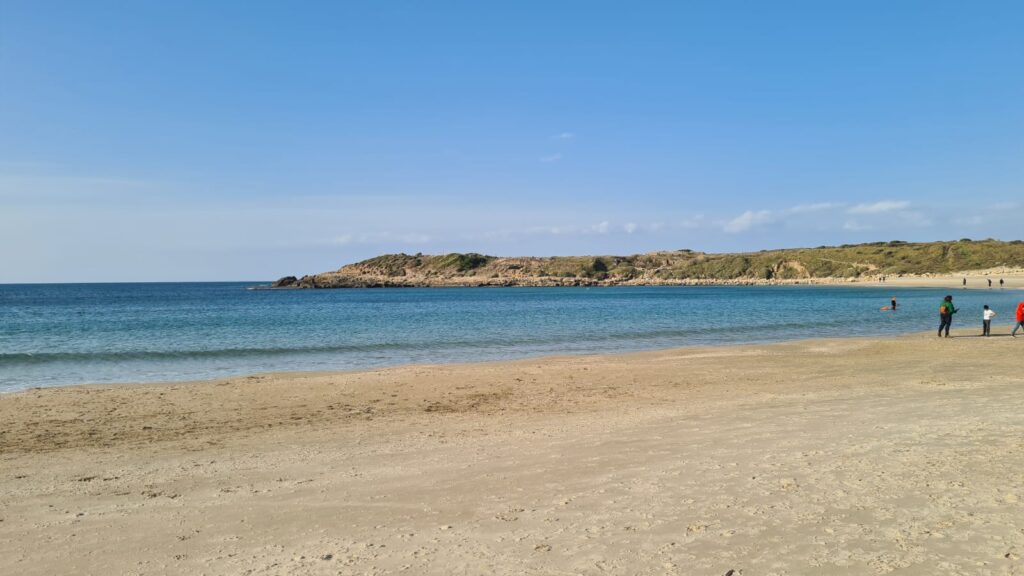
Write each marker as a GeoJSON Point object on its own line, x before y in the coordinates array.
{"type": "Point", "coordinates": [868, 456]}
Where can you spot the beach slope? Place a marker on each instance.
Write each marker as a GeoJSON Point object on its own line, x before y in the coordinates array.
{"type": "Point", "coordinates": [864, 456]}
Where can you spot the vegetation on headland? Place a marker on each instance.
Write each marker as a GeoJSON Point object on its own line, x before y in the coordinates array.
{"type": "Point", "coordinates": [835, 263]}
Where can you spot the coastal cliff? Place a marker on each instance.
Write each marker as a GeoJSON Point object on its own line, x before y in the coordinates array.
{"type": "Point", "coordinates": [825, 264]}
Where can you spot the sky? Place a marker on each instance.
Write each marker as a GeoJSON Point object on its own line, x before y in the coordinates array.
{"type": "Point", "coordinates": [248, 140]}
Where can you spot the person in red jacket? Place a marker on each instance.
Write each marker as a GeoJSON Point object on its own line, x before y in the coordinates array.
{"type": "Point", "coordinates": [1020, 319]}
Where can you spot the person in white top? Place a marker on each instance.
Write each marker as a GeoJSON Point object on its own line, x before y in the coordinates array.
{"type": "Point", "coordinates": [986, 320]}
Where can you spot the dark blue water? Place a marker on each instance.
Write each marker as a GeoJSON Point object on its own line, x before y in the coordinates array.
{"type": "Point", "coordinates": [78, 333]}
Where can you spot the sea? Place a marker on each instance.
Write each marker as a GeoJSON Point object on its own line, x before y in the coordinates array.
{"type": "Point", "coordinates": [63, 334]}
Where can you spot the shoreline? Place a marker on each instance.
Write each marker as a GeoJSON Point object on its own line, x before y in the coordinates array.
{"type": "Point", "coordinates": [301, 374]}
{"type": "Point", "coordinates": [380, 374]}
{"type": "Point", "coordinates": [540, 356]}
{"type": "Point", "coordinates": [283, 378]}
{"type": "Point", "coordinates": [818, 455]}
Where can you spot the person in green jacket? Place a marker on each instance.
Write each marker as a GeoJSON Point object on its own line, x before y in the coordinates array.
{"type": "Point", "coordinates": [946, 311]}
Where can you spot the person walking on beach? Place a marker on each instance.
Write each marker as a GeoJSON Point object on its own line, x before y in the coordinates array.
{"type": "Point", "coordinates": [987, 314]}
{"type": "Point", "coordinates": [1000, 283]}
{"type": "Point", "coordinates": [989, 282]}
{"type": "Point", "coordinates": [1020, 319]}
{"type": "Point", "coordinates": [946, 311]}
{"type": "Point", "coordinates": [965, 282]}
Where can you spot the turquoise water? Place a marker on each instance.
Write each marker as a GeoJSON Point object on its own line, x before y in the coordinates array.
{"type": "Point", "coordinates": [53, 335]}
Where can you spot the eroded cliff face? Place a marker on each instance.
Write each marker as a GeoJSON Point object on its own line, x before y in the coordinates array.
{"type": "Point", "coordinates": [681, 267]}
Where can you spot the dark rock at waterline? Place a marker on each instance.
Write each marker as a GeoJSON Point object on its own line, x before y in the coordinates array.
{"type": "Point", "coordinates": [285, 282]}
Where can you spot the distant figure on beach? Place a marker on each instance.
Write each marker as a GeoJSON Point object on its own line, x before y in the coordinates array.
{"type": "Point", "coordinates": [987, 314]}
{"type": "Point", "coordinates": [1020, 319]}
{"type": "Point", "coordinates": [946, 311]}
{"type": "Point", "coordinates": [989, 282]}
{"type": "Point", "coordinates": [1000, 283]}
{"type": "Point", "coordinates": [965, 282]}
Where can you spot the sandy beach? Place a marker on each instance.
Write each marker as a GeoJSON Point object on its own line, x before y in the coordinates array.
{"type": "Point", "coordinates": [1013, 279]}
{"type": "Point", "coordinates": [861, 456]}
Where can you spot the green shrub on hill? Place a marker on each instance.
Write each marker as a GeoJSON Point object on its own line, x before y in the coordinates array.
{"type": "Point", "coordinates": [460, 262]}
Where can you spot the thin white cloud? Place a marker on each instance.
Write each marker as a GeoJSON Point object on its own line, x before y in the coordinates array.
{"type": "Point", "coordinates": [753, 218]}
{"type": "Point", "coordinates": [563, 136]}
{"type": "Point", "coordinates": [603, 228]}
{"type": "Point", "coordinates": [887, 214]}
{"type": "Point", "coordinates": [551, 158]}
{"type": "Point", "coordinates": [552, 230]}
{"type": "Point", "coordinates": [856, 226]}
{"type": "Point", "coordinates": [748, 220]}
{"type": "Point", "coordinates": [557, 230]}
{"type": "Point", "coordinates": [879, 207]}
{"type": "Point", "coordinates": [818, 207]}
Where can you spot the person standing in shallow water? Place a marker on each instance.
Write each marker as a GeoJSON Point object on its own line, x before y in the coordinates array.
{"type": "Point", "coordinates": [893, 307]}
{"type": "Point", "coordinates": [946, 311]}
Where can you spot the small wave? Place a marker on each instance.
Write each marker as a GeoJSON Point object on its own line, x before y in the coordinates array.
{"type": "Point", "coordinates": [487, 342]}
{"type": "Point", "coordinates": [129, 355]}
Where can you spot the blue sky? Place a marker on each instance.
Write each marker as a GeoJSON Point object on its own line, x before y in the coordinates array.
{"type": "Point", "coordinates": [249, 140]}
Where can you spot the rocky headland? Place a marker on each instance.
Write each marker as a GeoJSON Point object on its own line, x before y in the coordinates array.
{"type": "Point", "coordinates": [821, 265]}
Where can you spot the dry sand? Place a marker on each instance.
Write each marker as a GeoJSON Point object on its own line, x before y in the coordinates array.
{"type": "Point", "coordinates": [866, 456]}
{"type": "Point", "coordinates": [1013, 279]}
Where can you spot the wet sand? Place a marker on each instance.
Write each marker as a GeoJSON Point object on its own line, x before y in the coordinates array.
{"type": "Point", "coordinates": [862, 456]}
